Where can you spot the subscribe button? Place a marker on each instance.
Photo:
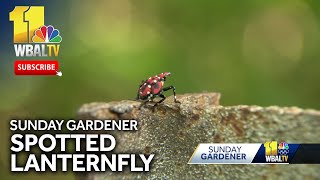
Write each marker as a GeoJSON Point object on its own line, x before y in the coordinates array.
{"type": "Point", "coordinates": [41, 67]}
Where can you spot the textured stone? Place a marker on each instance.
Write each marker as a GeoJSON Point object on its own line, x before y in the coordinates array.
{"type": "Point", "coordinates": [172, 132]}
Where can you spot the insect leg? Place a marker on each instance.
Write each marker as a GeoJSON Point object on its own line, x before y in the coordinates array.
{"type": "Point", "coordinates": [174, 92]}
{"type": "Point", "coordinates": [163, 98]}
{"type": "Point", "coordinates": [142, 104]}
{"type": "Point", "coordinates": [157, 103]}
{"type": "Point", "coordinates": [137, 98]}
{"type": "Point", "coordinates": [150, 98]}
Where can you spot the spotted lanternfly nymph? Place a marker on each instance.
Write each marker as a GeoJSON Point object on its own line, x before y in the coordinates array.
{"type": "Point", "coordinates": [153, 87]}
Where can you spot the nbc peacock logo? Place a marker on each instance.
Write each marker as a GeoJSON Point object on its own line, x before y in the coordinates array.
{"type": "Point", "coordinates": [46, 34]}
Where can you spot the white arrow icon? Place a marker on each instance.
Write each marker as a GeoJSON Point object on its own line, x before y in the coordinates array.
{"type": "Point", "coordinates": [59, 73]}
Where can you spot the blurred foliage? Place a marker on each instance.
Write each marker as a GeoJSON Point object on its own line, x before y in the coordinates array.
{"type": "Point", "coordinates": [253, 52]}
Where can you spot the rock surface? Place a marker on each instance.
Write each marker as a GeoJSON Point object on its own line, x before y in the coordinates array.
{"type": "Point", "coordinates": [172, 131]}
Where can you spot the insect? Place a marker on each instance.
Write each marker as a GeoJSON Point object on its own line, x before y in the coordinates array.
{"type": "Point", "coordinates": [153, 87]}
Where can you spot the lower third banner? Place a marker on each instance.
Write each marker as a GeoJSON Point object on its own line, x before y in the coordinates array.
{"type": "Point", "coordinates": [270, 152]}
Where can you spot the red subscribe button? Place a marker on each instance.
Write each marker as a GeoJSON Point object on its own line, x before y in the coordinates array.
{"type": "Point", "coordinates": [27, 67]}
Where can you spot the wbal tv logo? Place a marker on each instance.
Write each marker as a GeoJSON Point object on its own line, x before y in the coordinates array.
{"type": "Point", "coordinates": [31, 37]}
{"type": "Point", "coordinates": [276, 153]}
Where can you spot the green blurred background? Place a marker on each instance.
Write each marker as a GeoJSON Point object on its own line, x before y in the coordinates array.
{"type": "Point", "coordinates": [254, 52]}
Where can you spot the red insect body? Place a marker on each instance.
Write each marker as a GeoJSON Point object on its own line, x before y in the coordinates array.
{"type": "Point", "coordinates": [153, 87]}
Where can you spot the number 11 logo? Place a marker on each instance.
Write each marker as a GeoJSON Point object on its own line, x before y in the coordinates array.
{"type": "Point", "coordinates": [26, 19]}
{"type": "Point", "coordinates": [271, 148]}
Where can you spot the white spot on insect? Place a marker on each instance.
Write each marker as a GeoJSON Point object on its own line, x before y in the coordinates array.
{"type": "Point", "coordinates": [148, 92]}
{"type": "Point", "coordinates": [149, 86]}
{"type": "Point", "coordinates": [145, 84]}
{"type": "Point", "coordinates": [175, 97]}
{"type": "Point", "coordinates": [158, 77]}
{"type": "Point", "coordinates": [149, 77]}
{"type": "Point", "coordinates": [149, 98]}
{"type": "Point", "coordinates": [140, 92]}
{"type": "Point", "coordinates": [155, 81]}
